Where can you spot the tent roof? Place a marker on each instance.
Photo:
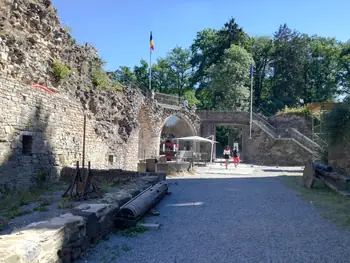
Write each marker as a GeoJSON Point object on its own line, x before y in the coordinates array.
{"type": "Point", "coordinates": [194, 139]}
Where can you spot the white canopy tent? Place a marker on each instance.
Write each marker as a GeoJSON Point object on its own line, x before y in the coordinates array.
{"type": "Point", "coordinates": [198, 139]}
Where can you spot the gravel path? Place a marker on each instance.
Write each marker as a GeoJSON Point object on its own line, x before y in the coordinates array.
{"type": "Point", "coordinates": [246, 218]}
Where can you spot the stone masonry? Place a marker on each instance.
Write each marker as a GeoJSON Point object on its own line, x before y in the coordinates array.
{"type": "Point", "coordinates": [41, 133]}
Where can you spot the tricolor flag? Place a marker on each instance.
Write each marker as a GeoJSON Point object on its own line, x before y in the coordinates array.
{"type": "Point", "coordinates": [151, 41]}
{"type": "Point", "coordinates": [251, 70]}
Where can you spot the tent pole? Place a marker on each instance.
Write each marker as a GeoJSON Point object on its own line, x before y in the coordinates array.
{"type": "Point", "coordinates": [212, 147]}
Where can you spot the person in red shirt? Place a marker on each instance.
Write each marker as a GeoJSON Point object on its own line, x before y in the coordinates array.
{"type": "Point", "coordinates": [235, 157]}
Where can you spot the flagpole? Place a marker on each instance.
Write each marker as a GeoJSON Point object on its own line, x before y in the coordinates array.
{"type": "Point", "coordinates": [251, 101]}
{"type": "Point", "coordinates": [150, 67]}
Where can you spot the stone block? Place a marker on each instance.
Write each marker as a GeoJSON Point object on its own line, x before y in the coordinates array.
{"type": "Point", "coordinates": [99, 218]}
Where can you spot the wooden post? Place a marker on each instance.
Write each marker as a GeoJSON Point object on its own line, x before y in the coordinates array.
{"type": "Point", "coordinates": [84, 129]}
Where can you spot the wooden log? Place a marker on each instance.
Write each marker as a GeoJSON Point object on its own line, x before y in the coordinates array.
{"type": "Point", "coordinates": [308, 176]}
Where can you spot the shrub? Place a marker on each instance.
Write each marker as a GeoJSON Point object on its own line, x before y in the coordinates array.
{"type": "Point", "coordinates": [117, 86]}
{"type": "Point", "coordinates": [297, 111]}
{"type": "Point", "coordinates": [190, 95]}
{"type": "Point", "coordinates": [60, 70]}
{"type": "Point", "coordinates": [100, 78]}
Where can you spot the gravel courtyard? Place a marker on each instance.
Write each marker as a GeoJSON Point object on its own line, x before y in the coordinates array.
{"type": "Point", "coordinates": [236, 215]}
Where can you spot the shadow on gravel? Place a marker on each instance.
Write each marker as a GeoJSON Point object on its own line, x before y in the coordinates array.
{"type": "Point", "coordinates": [282, 170]}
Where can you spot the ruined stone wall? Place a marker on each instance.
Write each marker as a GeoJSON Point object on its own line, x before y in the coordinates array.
{"type": "Point", "coordinates": [41, 133]}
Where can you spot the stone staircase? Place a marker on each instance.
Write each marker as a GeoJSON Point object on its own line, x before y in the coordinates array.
{"type": "Point", "coordinates": [315, 147]}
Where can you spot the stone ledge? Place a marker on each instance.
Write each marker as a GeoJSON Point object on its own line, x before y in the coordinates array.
{"type": "Point", "coordinates": [68, 237]}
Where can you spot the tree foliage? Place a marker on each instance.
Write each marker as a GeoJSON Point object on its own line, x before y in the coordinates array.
{"type": "Point", "coordinates": [214, 71]}
{"type": "Point", "coordinates": [229, 80]}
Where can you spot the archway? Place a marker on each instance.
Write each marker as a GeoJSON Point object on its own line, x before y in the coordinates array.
{"type": "Point", "coordinates": [175, 126]}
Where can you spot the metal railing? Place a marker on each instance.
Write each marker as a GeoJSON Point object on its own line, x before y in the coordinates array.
{"type": "Point", "coordinates": [264, 121]}
{"type": "Point", "coordinates": [168, 99]}
{"type": "Point", "coordinates": [295, 134]}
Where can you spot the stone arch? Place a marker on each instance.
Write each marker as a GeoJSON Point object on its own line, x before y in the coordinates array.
{"type": "Point", "coordinates": [183, 118]}
{"type": "Point", "coordinates": [183, 126]}
{"type": "Point", "coordinates": [152, 118]}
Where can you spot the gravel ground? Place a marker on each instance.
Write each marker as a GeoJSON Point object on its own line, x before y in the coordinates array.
{"type": "Point", "coordinates": [244, 218]}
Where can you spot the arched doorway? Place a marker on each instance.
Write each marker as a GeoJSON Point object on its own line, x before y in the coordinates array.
{"type": "Point", "coordinates": [176, 126]}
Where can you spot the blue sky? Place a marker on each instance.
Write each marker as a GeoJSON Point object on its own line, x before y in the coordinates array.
{"type": "Point", "coordinates": [120, 29]}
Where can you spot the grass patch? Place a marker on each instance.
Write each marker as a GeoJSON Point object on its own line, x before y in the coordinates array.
{"type": "Point", "coordinates": [44, 201]}
{"type": "Point", "coordinates": [133, 231]}
{"type": "Point", "coordinates": [105, 187]}
{"type": "Point", "coordinates": [333, 206]}
{"type": "Point", "coordinates": [65, 203]}
{"type": "Point", "coordinates": [17, 212]}
{"type": "Point", "coordinates": [125, 247]}
{"type": "Point", "coordinates": [11, 201]}
{"type": "Point", "coordinates": [41, 208]}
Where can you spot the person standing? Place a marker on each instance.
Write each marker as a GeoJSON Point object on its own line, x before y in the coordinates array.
{"type": "Point", "coordinates": [186, 103]}
{"type": "Point", "coordinates": [235, 157]}
{"type": "Point", "coordinates": [227, 153]}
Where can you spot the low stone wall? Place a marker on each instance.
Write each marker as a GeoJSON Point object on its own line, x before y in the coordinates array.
{"type": "Point", "coordinates": [110, 176]}
{"type": "Point", "coordinates": [172, 167]}
{"type": "Point", "coordinates": [68, 237]}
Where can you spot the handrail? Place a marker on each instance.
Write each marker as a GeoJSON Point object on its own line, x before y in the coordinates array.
{"type": "Point", "coordinates": [259, 118]}
{"type": "Point", "coordinates": [265, 129]}
{"type": "Point", "coordinates": [304, 139]}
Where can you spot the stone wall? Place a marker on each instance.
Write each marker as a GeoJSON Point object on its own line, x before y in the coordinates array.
{"type": "Point", "coordinates": [284, 121]}
{"type": "Point", "coordinates": [41, 133]}
{"type": "Point", "coordinates": [339, 156]}
{"type": "Point", "coordinates": [264, 150]}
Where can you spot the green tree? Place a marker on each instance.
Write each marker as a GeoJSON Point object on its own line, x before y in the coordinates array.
{"type": "Point", "coordinates": [124, 75]}
{"type": "Point", "coordinates": [190, 95]}
{"type": "Point", "coordinates": [210, 46]}
{"type": "Point", "coordinates": [161, 76]}
{"type": "Point", "coordinates": [261, 49]}
{"type": "Point", "coordinates": [229, 80]}
{"type": "Point", "coordinates": [321, 74]}
{"type": "Point", "coordinates": [178, 60]}
{"type": "Point", "coordinates": [289, 58]}
{"type": "Point", "coordinates": [142, 74]}
{"type": "Point", "coordinates": [343, 73]}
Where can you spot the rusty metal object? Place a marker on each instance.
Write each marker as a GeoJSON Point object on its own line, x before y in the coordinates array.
{"type": "Point", "coordinates": [331, 178]}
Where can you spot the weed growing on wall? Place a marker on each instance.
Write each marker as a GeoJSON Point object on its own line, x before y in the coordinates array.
{"type": "Point", "coordinates": [100, 78]}
{"type": "Point", "coordinates": [60, 70]}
